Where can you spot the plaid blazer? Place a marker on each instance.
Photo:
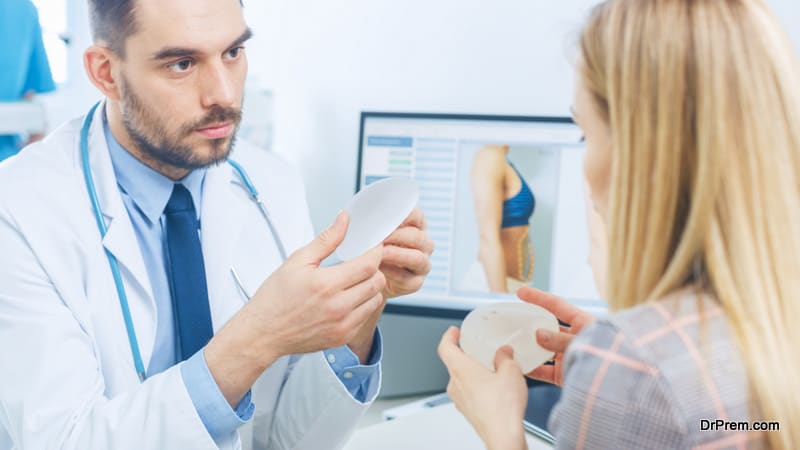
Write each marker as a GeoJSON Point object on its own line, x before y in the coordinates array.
{"type": "Point", "coordinates": [647, 378]}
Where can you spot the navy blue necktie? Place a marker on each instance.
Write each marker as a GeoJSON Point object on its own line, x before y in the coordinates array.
{"type": "Point", "coordinates": [187, 274]}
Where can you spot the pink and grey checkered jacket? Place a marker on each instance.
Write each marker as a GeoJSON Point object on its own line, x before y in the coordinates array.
{"type": "Point", "coordinates": [647, 377]}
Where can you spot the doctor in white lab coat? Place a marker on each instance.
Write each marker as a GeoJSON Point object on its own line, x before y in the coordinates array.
{"type": "Point", "coordinates": [68, 379]}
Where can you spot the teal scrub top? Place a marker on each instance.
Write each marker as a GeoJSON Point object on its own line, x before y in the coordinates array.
{"type": "Point", "coordinates": [23, 61]}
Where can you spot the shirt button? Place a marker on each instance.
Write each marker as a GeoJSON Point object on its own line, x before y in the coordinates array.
{"type": "Point", "coordinates": [348, 375]}
{"type": "Point", "coordinates": [331, 358]}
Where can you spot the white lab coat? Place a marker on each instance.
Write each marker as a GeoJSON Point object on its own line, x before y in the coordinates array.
{"type": "Point", "coordinates": [67, 379]}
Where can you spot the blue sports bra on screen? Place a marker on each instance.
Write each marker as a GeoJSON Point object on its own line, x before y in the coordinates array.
{"type": "Point", "coordinates": [517, 210]}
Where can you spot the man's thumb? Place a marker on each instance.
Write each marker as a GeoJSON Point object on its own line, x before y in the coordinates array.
{"type": "Point", "coordinates": [327, 241]}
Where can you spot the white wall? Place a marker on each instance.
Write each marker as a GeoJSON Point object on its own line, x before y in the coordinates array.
{"type": "Point", "coordinates": [789, 13]}
{"type": "Point", "coordinates": [327, 61]}
{"type": "Point", "coordinates": [77, 95]}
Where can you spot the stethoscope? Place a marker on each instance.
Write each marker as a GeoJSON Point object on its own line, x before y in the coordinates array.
{"type": "Point", "coordinates": [112, 260]}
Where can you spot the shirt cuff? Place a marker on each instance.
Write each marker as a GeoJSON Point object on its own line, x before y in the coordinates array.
{"type": "Point", "coordinates": [361, 380]}
{"type": "Point", "coordinates": [217, 415]}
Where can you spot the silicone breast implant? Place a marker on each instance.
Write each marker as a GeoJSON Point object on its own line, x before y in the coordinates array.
{"type": "Point", "coordinates": [489, 327]}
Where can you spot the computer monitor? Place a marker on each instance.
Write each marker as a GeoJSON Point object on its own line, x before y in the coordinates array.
{"type": "Point", "coordinates": [536, 215]}
{"type": "Point", "coordinates": [453, 157]}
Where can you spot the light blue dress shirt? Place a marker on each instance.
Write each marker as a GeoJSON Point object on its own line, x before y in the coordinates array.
{"type": "Point", "coordinates": [23, 61]}
{"type": "Point", "coordinates": [145, 194]}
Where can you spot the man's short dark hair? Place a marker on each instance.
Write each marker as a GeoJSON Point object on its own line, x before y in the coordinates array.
{"type": "Point", "coordinates": [113, 21]}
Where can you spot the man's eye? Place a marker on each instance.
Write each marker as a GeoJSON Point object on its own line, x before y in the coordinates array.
{"type": "Point", "coordinates": [234, 52]}
{"type": "Point", "coordinates": [180, 66]}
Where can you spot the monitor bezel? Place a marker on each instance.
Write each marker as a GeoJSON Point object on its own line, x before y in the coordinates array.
{"type": "Point", "coordinates": [436, 311]}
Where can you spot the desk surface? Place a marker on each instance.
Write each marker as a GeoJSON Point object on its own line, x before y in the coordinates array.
{"type": "Point", "coordinates": [442, 427]}
{"type": "Point", "coordinates": [374, 414]}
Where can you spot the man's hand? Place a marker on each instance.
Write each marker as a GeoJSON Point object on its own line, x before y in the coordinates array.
{"type": "Point", "coordinates": [555, 342]}
{"type": "Point", "coordinates": [300, 308]}
{"type": "Point", "coordinates": [405, 263]}
{"type": "Point", "coordinates": [406, 256]}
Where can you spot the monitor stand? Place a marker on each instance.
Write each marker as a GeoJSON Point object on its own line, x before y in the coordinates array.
{"type": "Point", "coordinates": [410, 364]}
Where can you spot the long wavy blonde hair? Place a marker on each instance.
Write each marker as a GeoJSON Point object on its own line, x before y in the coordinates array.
{"type": "Point", "coordinates": [703, 102]}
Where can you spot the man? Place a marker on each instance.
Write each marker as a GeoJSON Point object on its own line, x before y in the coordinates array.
{"type": "Point", "coordinates": [24, 70]}
{"type": "Point", "coordinates": [297, 356]}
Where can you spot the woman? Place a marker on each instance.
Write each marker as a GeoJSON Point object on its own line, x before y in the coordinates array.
{"type": "Point", "coordinates": [504, 204]}
{"type": "Point", "coordinates": [690, 111]}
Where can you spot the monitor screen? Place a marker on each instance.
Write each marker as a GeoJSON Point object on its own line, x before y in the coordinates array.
{"type": "Point", "coordinates": [503, 198]}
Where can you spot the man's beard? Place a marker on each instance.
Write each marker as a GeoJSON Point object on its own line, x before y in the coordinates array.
{"type": "Point", "coordinates": [157, 143]}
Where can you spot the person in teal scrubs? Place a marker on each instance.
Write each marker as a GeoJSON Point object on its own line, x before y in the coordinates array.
{"type": "Point", "coordinates": [24, 69]}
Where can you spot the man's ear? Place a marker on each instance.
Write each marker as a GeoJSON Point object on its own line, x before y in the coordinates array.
{"type": "Point", "coordinates": [99, 62]}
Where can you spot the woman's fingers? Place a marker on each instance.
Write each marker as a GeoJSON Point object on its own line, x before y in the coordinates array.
{"type": "Point", "coordinates": [562, 309]}
{"type": "Point", "coordinates": [504, 360]}
{"type": "Point", "coordinates": [546, 373]}
{"type": "Point", "coordinates": [555, 342]}
{"type": "Point", "coordinates": [448, 350]}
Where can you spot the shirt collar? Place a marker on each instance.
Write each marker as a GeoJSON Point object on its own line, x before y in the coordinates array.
{"type": "Point", "coordinates": [149, 190]}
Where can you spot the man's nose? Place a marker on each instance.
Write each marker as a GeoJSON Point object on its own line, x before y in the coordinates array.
{"type": "Point", "coordinates": [219, 87]}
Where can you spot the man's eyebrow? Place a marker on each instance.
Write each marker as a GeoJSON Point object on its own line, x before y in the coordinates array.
{"type": "Point", "coordinates": [184, 52]}
{"type": "Point", "coordinates": [248, 33]}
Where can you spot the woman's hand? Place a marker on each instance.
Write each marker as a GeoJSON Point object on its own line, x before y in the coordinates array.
{"type": "Point", "coordinates": [493, 402]}
{"type": "Point", "coordinates": [576, 318]}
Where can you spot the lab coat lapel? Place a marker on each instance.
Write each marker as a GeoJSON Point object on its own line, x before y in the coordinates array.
{"type": "Point", "coordinates": [120, 239]}
{"type": "Point", "coordinates": [222, 217]}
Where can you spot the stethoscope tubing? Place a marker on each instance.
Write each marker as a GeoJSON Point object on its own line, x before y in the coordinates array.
{"type": "Point", "coordinates": [112, 260]}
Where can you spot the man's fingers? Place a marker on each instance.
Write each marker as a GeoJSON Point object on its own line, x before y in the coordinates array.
{"type": "Point", "coordinates": [405, 258]}
{"type": "Point", "coordinates": [562, 309]}
{"type": "Point", "coordinates": [395, 274]}
{"type": "Point", "coordinates": [326, 242]}
{"type": "Point", "coordinates": [411, 237]}
{"type": "Point", "coordinates": [401, 280]}
{"type": "Point", "coordinates": [350, 273]}
{"type": "Point", "coordinates": [353, 296]}
{"type": "Point", "coordinates": [415, 219]}
{"type": "Point", "coordinates": [363, 312]}
{"type": "Point", "coordinates": [555, 342]}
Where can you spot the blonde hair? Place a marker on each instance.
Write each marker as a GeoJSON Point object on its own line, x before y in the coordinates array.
{"type": "Point", "coordinates": [703, 101]}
